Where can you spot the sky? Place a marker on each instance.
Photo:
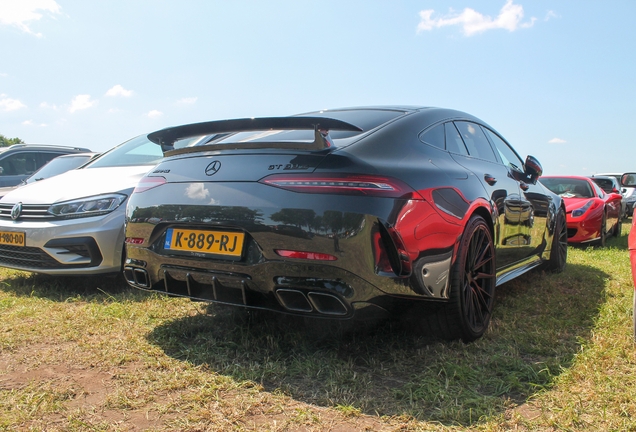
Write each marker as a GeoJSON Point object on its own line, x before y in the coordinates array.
{"type": "Point", "coordinates": [555, 77]}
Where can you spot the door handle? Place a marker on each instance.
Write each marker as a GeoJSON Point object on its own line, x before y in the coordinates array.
{"type": "Point", "coordinates": [490, 179]}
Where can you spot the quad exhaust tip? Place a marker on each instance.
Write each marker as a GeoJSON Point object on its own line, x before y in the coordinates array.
{"type": "Point", "coordinates": [323, 303]}
{"type": "Point", "coordinates": [137, 277]}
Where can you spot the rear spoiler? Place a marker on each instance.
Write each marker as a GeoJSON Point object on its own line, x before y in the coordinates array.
{"type": "Point", "coordinates": [321, 126]}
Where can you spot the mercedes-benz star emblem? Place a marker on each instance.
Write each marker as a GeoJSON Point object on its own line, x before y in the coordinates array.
{"type": "Point", "coordinates": [213, 168]}
{"type": "Point", "coordinates": [16, 211]}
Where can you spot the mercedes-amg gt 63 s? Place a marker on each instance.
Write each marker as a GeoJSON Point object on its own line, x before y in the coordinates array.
{"type": "Point", "coordinates": [345, 213]}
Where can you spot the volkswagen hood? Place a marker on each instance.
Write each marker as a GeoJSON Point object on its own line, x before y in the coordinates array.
{"type": "Point", "coordinates": [79, 184]}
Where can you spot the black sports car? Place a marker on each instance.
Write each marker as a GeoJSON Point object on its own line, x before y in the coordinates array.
{"type": "Point", "coordinates": [344, 213]}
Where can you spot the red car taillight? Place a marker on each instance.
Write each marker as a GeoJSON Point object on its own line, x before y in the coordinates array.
{"type": "Point", "coordinates": [147, 183]}
{"type": "Point", "coordinates": [347, 184]}
{"type": "Point", "coordinates": [305, 255]}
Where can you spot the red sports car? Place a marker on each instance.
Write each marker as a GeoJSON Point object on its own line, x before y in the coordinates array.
{"type": "Point", "coordinates": [591, 213]}
{"type": "Point", "coordinates": [629, 180]}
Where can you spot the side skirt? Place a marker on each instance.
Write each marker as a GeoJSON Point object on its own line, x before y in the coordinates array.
{"type": "Point", "coordinates": [518, 269]}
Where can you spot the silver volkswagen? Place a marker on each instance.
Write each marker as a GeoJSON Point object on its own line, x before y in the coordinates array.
{"type": "Point", "coordinates": [73, 224]}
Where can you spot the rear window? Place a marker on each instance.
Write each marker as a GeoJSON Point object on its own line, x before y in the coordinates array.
{"type": "Point", "coordinates": [137, 151]}
{"type": "Point", "coordinates": [364, 119]}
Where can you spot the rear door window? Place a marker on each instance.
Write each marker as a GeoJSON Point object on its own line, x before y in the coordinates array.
{"type": "Point", "coordinates": [475, 141]}
{"type": "Point", "coordinates": [454, 141]}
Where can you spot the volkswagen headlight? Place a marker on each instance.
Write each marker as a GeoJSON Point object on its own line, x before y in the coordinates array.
{"type": "Point", "coordinates": [89, 206]}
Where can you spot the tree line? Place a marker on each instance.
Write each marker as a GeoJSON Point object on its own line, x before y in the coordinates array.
{"type": "Point", "coordinates": [6, 142]}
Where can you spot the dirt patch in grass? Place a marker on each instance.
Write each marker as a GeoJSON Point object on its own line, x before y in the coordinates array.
{"type": "Point", "coordinates": [89, 399]}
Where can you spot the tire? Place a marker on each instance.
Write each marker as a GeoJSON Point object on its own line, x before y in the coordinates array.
{"type": "Point", "coordinates": [472, 287]}
{"type": "Point", "coordinates": [618, 228]}
{"type": "Point", "coordinates": [603, 232]}
{"type": "Point", "coordinates": [559, 250]}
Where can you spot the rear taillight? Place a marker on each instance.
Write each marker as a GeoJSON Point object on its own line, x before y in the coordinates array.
{"type": "Point", "coordinates": [305, 255]}
{"type": "Point", "coordinates": [147, 183]}
{"type": "Point", "coordinates": [347, 184]}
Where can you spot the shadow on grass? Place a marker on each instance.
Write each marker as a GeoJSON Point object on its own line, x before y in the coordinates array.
{"type": "Point", "coordinates": [393, 368]}
{"type": "Point", "coordinates": [61, 288]}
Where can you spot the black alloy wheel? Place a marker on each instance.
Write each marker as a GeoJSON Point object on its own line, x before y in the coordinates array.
{"type": "Point", "coordinates": [618, 228]}
{"type": "Point", "coordinates": [472, 292]}
{"type": "Point", "coordinates": [559, 250]}
{"type": "Point", "coordinates": [603, 231]}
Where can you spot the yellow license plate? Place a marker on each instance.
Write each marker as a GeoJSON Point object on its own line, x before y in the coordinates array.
{"type": "Point", "coordinates": [12, 238]}
{"type": "Point", "coordinates": [205, 241]}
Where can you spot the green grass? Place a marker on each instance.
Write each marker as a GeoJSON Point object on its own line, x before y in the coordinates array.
{"type": "Point", "coordinates": [92, 354]}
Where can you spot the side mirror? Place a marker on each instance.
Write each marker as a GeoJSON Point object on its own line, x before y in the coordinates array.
{"type": "Point", "coordinates": [628, 179]}
{"type": "Point", "coordinates": [533, 168]}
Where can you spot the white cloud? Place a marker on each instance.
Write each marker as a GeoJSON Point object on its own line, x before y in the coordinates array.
{"type": "Point", "coordinates": [549, 15]}
{"type": "Point", "coordinates": [557, 141]}
{"type": "Point", "coordinates": [118, 90]}
{"type": "Point", "coordinates": [187, 101]}
{"type": "Point", "coordinates": [81, 102]}
{"type": "Point", "coordinates": [154, 114]}
{"type": "Point", "coordinates": [473, 22]}
{"type": "Point", "coordinates": [3, 74]}
{"type": "Point", "coordinates": [8, 104]}
{"type": "Point", "coordinates": [31, 123]}
{"type": "Point", "coordinates": [197, 191]}
{"type": "Point", "coordinates": [19, 13]}
{"type": "Point", "coordinates": [47, 105]}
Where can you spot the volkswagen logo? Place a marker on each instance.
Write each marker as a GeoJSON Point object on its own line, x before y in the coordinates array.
{"type": "Point", "coordinates": [16, 211]}
{"type": "Point", "coordinates": [213, 168]}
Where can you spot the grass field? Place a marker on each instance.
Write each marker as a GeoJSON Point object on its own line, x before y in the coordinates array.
{"type": "Point", "coordinates": [93, 354]}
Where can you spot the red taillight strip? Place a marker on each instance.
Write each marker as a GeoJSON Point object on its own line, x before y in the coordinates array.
{"type": "Point", "coordinates": [147, 183]}
{"type": "Point", "coordinates": [348, 184]}
{"type": "Point", "coordinates": [305, 255]}
{"type": "Point", "coordinates": [134, 240]}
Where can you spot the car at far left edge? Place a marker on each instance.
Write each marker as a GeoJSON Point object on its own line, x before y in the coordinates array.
{"type": "Point", "coordinates": [19, 161]}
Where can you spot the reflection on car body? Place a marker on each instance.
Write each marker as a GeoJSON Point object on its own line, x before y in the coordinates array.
{"type": "Point", "coordinates": [345, 213]}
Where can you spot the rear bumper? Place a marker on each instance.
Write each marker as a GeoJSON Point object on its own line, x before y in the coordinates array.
{"type": "Point", "coordinates": [298, 288]}
{"type": "Point", "coordinates": [329, 292]}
